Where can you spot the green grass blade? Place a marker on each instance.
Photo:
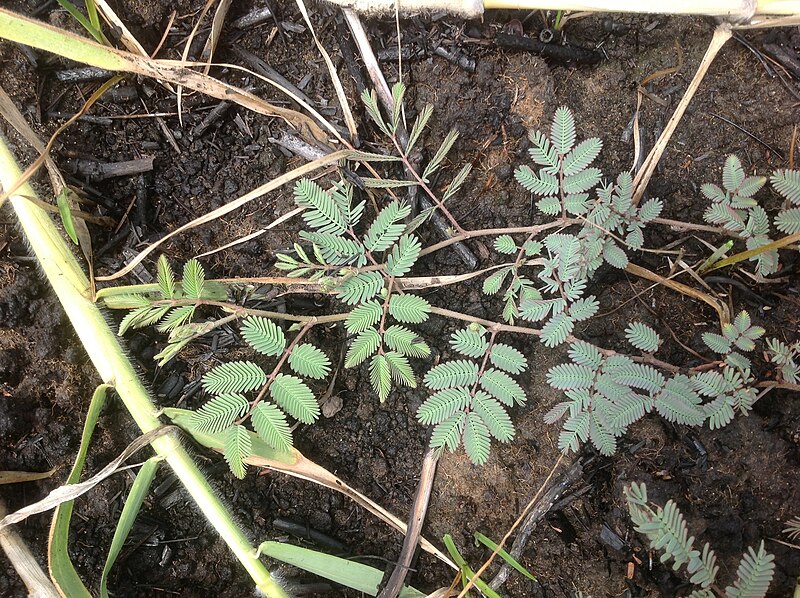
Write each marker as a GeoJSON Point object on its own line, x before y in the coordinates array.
{"type": "Point", "coordinates": [61, 568]}
{"type": "Point", "coordinates": [504, 555]}
{"type": "Point", "coordinates": [88, 24]}
{"type": "Point", "coordinates": [66, 216]}
{"type": "Point", "coordinates": [139, 490]}
{"type": "Point", "coordinates": [356, 576]}
{"type": "Point", "coordinates": [466, 572]}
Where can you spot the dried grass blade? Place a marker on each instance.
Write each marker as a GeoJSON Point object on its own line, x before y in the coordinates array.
{"type": "Point", "coordinates": [229, 207]}
{"type": "Point", "coordinates": [337, 83]}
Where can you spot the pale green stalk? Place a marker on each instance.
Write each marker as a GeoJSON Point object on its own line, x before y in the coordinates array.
{"type": "Point", "coordinates": [73, 290]}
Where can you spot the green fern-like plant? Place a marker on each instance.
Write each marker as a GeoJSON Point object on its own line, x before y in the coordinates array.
{"type": "Point", "coordinates": [171, 307]}
{"type": "Point", "coordinates": [787, 358]}
{"type": "Point", "coordinates": [667, 531]}
{"type": "Point", "coordinates": [606, 221]}
{"type": "Point", "coordinates": [289, 396]}
{"type": "Point", "coordinates": [471, 400]}
{"type": "Point", "coordinates": [340, 250]}
{"type": "Point", "coordinates": [607, 392]}
{"type": "Point", "coordinates": [735, 209]}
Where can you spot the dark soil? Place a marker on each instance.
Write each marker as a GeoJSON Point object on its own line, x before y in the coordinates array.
{"type": "Point", "coordinates": [736, 486]}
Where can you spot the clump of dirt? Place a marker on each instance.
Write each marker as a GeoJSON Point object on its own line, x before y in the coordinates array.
{"type": "Point", "coordinates": [736, 485]}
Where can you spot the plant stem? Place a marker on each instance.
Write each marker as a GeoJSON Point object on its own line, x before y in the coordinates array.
{"type": "Point", "coordinates": [73, 290]}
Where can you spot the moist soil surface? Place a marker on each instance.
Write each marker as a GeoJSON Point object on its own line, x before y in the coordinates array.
{"type": "Point", "coordinates": [736, 486]}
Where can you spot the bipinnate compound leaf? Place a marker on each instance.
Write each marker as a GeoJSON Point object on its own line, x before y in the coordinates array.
{"type": "Point", "coordinates": [263, 335]}
{"type": "Point", "coordinates": [557, 329]}
{"type": "Point", "coordinates": [380, 377]}
{"type": "Point", "coordinates": [787, 183]}
{"type": "Point", "coordinates": [562, 132]}
{"type": "Point", "coordinates": [508, 358]}
{"type": "Point", "coordinates": [505, 244]}
{"type": "Point", "coordinates": [236, 449]}
{"type": "Point", "coordinates": [294, 397]}
{"type": "Point", "coordinates": [502, 387]}
{"type": "Point", "coordinates": [581, 156]}
{"type": "Point", "coordinates": [447, 434]}
{"type": "Point", "coordinates": [270, 424]}
{"type": "Point", "coordinates": [732, 173]}
{"type": "Point", "coordinates": [177, 317]}
{"type": "Point", "coordinates": [364, 345]}
{"type": "Point", "coordinates": [403, 256]}
{"type": "Point", "coordinates": [753, 575]}
{"type": "Point", "coordinates": [469, 342]}
{"type": "Point", "coordinates": [322, 212]}
{"type": "Point", "coordinates": [494, 416]}
{"type": "Point", "coordinates": [359, 287]}
{"type": "Point", "coordinates": [443, 404]}
{"type": "Point", "coordinates": [363, 316]}
{"type": "Point", "coordinates": [194, 278]}
{"type": "Point", "coordinates": [236, 376]}
{"type": "Point", "coordinates": [642, 337]}
{"type": "Point", "coordinates": [387, 227]}
{"type": "Point", "coordinates": [219, 413]}
{"type": "Point", "coordinates": [400, 369]}
{"type": "Point", "coordinates": [493, 282]}
{"type": "Point", "coordinates": [452, 373]}
{"type": "Point", "coordinates": [565, 376]}
{"type": "Point", "coordinates": [678, 402]}
{"type": "Point", "coordinates": [166, 278]}
{"type": "Point", "coordinates": [667, 531]}
{"type": "Point", "coordinates": [307, 360]}
{"type": "Point", "coordinates": [476, 439]}
{"type": "Point", "coordinates": [409, 309]}
{"type": "Point", "coordinates": [404, 341]}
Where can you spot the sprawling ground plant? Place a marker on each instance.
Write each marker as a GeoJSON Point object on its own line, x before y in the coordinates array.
{"type": "Point", "coordinates": [360, 243]}
{"type": "Point", "coordinates": [667, 531]}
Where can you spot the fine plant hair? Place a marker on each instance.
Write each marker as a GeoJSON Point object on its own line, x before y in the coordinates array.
{"type": "Point", "coordinates": [360, 243]}
{"type": "Point", "coordinates": [667, 531]}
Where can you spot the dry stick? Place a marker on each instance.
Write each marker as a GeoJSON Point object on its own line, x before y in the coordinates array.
{"type": "Point", "coordinates": [721, 34]}
{"type": "Point", "coordinates": [419, 509]}
{"type": "Point", "coordinates": [536, 514]}
{"type": "Point", "coordinates": [337, 83]}
{"type": "Point", "coordinates": [40, 35]}
{"type": "Point", "coordinates": [516, 524]}
{"type": "Point", "coordinates": [25, 564]}
{"type": "Point", "coordinates": [722, 310]}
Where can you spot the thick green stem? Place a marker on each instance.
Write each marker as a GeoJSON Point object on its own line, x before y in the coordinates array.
{"type": "Point", "coordinates": [73, 290]}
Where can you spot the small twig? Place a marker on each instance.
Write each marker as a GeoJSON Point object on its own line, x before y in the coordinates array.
{"type": "Point", "coordinates": [419, 509]}
{"type": "Point", "coordinates": [536, 514]}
